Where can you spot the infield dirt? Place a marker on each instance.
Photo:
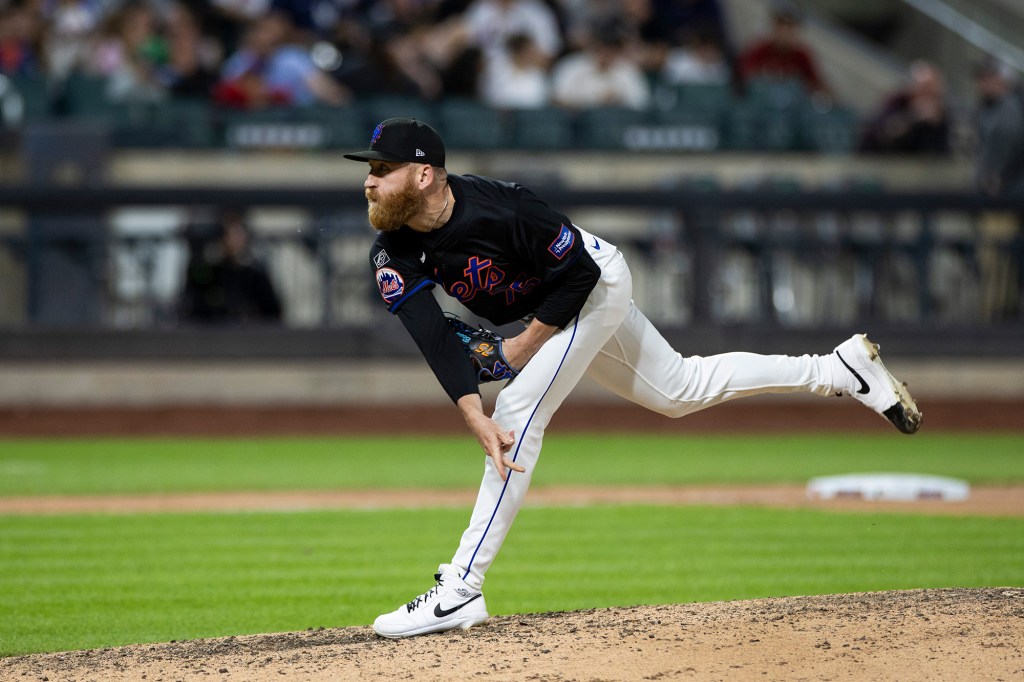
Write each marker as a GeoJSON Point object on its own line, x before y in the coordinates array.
{"type": "Point", "coordinates": [912, 635]}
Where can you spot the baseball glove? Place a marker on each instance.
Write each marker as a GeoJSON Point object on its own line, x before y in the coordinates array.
{"type": "Point", "coordinates": [484, 349]}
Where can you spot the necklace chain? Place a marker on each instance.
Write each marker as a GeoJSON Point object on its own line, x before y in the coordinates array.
{"type": "Point", "coordinates": [443, 209]}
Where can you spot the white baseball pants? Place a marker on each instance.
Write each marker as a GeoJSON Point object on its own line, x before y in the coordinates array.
{"type": "Point", "coordinates": [615, 344]}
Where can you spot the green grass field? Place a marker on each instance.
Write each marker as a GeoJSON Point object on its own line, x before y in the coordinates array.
{"type": "Point", "coordinates": [85, 581]}
{"type": "Point", "coordinates": [104, 466]}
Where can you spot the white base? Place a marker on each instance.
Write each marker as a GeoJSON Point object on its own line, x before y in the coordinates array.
{"type": "Point", "coordinates": [882, 486]}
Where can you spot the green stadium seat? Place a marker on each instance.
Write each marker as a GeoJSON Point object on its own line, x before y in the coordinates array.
{"type": "Point", "coordinates": [183, 122]}
{"type": "Point", "coordinates": [380, 107]}
{"type": "Point", "coordinates": [85, 96]}
{"type": "Point", "coordinates": [346, 127]}
{"type": "Point", "coordinates": [835, 131]}
{"type": "Point", "coordinates": [36, 97]}
{"type": "Point", "coordinates": [608, 127]}
{"type": "Point", "coordinates": [753, 128]}
{"type": "Point", "coordinates": [708, 99]}
{"type": "Point", "coordinates": [547, 128]}
{"type": "Point", "coordinates": [775, 93]}
{"type": "Point", "coordinates": [468, 124]}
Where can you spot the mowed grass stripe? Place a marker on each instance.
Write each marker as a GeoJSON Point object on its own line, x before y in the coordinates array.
{"type": "Point", "coordinates": [97, 580]}
{"type": "Point", "coordinates": [123, 466]}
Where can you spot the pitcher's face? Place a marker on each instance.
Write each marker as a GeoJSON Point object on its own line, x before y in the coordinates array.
{"type": "Point", "coordinates": [392, 196]}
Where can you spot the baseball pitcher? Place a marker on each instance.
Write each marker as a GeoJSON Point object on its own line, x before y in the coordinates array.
{"type": "Point", "coordinates": [505, 255]}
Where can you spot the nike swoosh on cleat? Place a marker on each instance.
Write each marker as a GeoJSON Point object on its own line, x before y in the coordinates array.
{"type": "Point", "coordinates": [597, 246]}
{"type": "Point", "coordinates": [441, 613]}
{"type": "Point", "coordinates": [864, 389]}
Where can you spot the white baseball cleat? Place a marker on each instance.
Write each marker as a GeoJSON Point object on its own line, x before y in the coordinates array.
{"type": "Point", "coordinates": [859, 372]}
{"type": "Point", "coordinates": [450, 604]}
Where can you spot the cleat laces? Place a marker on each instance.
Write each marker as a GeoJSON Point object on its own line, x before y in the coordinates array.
{"type": "Point", "coordinates": [422, 599]}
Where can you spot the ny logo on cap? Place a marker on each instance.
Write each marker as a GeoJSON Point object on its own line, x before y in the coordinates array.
{"type": "Point", "coordinates": [376, 134]}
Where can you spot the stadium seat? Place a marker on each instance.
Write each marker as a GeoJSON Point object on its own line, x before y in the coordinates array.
{"type": "Point", "coordinates": [468, 124]}
{"type": "Point", "coordinates": [708, 99]}
{"type": "Point", "coordinates": [775, 93]}
{"type": "Point", "coordinates": [345, 127]}
{"type": "Point", "coordinates": [85, 96]}
{"type": "Point", "coordinates": [36, 97]}
{"type": "Point", "coordinates": [749, 127]}
{"type": "Point", "coordinates": [547, 128]}
{"type": "Point", "coordinates": [608, 127]}
{"type": "Point", "coordinates": [378, 108]}
{"type": "Point", "coordinates": [183, 122]}
{"type": "Point", "coordinates": [834, 131]}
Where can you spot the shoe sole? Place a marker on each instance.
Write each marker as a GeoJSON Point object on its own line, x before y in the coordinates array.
{"type": "Point", "coordinates": [445, 627]}
{"type": "Point", "coordinates": [904, 414]}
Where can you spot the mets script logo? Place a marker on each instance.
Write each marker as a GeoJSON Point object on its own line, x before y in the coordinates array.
{"type": "Point", "coordinates": [390, 283]}
{"type": "Point", "coordinates": [376, 133]}
{"type": "Point", "coordinates": [563, 242]}
{"type": "Point", "coordinates": [481, 274]}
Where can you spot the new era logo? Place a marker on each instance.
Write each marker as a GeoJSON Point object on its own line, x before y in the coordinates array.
{"type": "Point", "coordinates": [420, 152]}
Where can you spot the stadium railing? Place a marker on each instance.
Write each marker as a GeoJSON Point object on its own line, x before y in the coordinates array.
{"type": "Point", "coordinates": [936, 273]}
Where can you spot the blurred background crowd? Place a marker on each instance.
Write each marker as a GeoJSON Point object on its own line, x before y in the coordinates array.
{"type": "Point", "coordinates": [841, 96]}
{"type": "Point", "coordinates": [507, 54]}
{"type": "Point", "coordinates": [511, 53]}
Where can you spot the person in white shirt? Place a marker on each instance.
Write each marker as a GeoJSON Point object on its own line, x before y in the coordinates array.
{"type": "Point", "coordinates": [602, 75]}
{"type": "Point", "coordinates": [490, 23]}
{"type": "Point", "coordinates": [518, 78]}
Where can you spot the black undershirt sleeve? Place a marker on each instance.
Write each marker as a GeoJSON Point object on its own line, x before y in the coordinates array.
{"type": "Point", "coordinates": [425, 321]}
{"type": "Point", "coordinates": [565, 302]}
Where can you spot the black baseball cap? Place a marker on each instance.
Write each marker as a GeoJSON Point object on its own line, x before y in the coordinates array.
{"type": "Point", "coordinates": [403, 139]}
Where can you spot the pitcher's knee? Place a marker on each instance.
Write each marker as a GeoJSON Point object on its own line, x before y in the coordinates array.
{"type": "Point", "coordinates": [676, 408]}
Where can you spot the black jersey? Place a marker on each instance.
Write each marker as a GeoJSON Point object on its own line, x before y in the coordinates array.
{"type": "Point", "coordinates": [504, 254]}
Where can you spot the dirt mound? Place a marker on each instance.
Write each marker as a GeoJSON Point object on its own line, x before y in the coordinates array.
{"type": "Point", "coordinates": [948, 634]}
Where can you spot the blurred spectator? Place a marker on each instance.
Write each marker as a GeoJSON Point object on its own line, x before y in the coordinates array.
{"type": "Point", "coordinates": [129, 51]}
{"type": "Point", "coordinates": [782, 54]}
{"type": "Point", "coordinates": [461, 76]}
{"type": "Point", "coordinates": [21, 41]}
{"type": "Point", "coordinates": [490, 23]}
{"type": "Point", "coordinates": [191, 68]}
{"type": "Point", "coordinates": [600, 75]}
{"type": "Point", "coordinates": [379, 65]}
{"type": "Point", "coordinates": [999, 163]}
{"type": "Point", "coordinates": [678, 22]}
{"type": "Point", "coordinates": [582, 15]}
{"type": "Point", "coordinates": [317, 19]}
{"type": "Point", "coordinates": [913, 120]}
{"type": "Point", "coordinates": [999, 170]}
{"type": "Point", "coordinates": [701, 60]}
{"type": "Point", "coordinates": [228, 19]}
{"type": "Point", "coordinates": [478, 37]}
{"type": "Point", "coordinates": [645, 39]}
{"type": "Point", "coordinates": [517, 79]}
{"type": "Point", "coordinates": [271, 70]}
{"type": "Point", "coordinates": [224, 283]}
{"type": "Point", "coordinates": [399, 32]}
{"type": "Point", "coordinates": [71, 26]}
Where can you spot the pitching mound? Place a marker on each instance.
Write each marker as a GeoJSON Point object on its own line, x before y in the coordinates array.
{"type": "Point", "coordinates": [950, 634]}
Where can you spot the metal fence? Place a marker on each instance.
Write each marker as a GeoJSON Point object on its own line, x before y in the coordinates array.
{"type": "Point", "coordinates": [99, 272]}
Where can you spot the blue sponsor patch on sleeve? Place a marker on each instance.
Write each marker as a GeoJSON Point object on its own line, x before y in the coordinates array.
{"type": "Point", "coordinates": [563, 243]}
